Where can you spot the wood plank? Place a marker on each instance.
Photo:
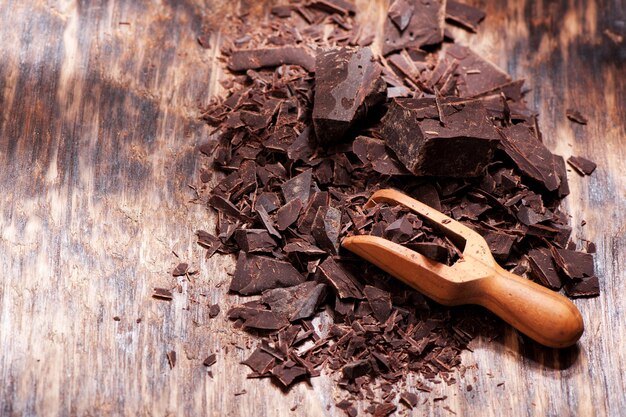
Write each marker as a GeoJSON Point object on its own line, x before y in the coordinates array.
{"type": "Point", "coordinates": [98, 129]}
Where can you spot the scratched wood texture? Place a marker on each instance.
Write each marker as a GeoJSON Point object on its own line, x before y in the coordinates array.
{"type": "Point", "coordinates": [98, 128]}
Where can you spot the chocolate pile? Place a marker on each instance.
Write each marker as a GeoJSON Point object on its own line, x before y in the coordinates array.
{"type": "Point", "coordinates": [314, 121]}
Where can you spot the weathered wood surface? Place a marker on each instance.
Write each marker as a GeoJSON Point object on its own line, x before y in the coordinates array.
{"type": "Point", "coordinates": [98, 125]}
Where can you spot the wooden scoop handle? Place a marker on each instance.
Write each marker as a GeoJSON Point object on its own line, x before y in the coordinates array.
{"type": "Point", "coordinates": [543, 315]}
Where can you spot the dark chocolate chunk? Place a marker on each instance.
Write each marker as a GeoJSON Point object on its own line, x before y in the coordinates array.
{"type": "Point", "coordinates": [356, 369]}
{"type": "Point", "coordinates": [461, 148]}
{"type": "Point", "coordinates": [575, 116]}
{"type": "Point", "coordinates": [380, 302]}
{"type": "Point", "coordinates": [374, 152]}
{"type": "Point", "coordinates": [254, 240]}
{"type": "Point", "coordinates": [543, 269]}
{"type": "Point", "coordinates": [287, 375]}
{"type": "Point", "coordinates": [256, 317]}
{"type": "Point", "coordinates": [260, 362]}
{"type": "Point", "coordinates": [288, 214]}
{"type": "Point", "coordinates": [180, 270]}
{"type": "Point", "coordinates": [347, 83]}
{"type": "Point", "coordinates": [384, 410]}
{"type": "Point", "coordinates": [269, 201]}
{"type": "Point", "coordinates": [162, 294]}
{"type": "Point", "coordinates": [304, 247]}
{"type": "Point", "coordinates": [298, 187]}
{"type": "Point", "coordinates": [409, 399]}
{"type": "Point", "coordinates": [282, 10]}
{"type": "Point", "coordinates": [171, 358]}
{"type": "Point", "coordinates": [463, 14]}
{"type": "Point", "coordinates": [581, 165]}
{"type": "Point", "coordinates": [297, 302]}
{"type": "Point", "coordinates": [530, 155]}
{"type": "Point", "coordinates": [500, 244]}
{"type": "Point", "coordinates": [586, 287]}
{"type": "Point", "coordinates": [559, 168]}
{"type": "Point", "coordinates": [477, 76]}
{"type": "Point", "coordinates": [255, 274]}
{"type": "Point", "coordinates": [210, 360]}
{"type": "Point", "coordinates": [340, 279]}
{"type": "Point", "coordinates": [342, 7]}
{"type": "Point", "coordinates": [242, 60]}
{"type": "Point", "coordinates": [425, 26]}
{"type": "Point", "coordinates": [575, 265]}
{"type": "Point", "coordinates": [214, 310]}
{"type": "Point", "coordinates": [326, 227]}
{"type": "Point", "coordinates": [400, 13]}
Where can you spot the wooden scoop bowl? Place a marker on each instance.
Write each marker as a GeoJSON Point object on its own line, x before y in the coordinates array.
{"type": "Point", "coordinates": [476, 278]}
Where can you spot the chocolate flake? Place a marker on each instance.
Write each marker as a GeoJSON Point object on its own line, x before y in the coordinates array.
{"type": "Point", "coordinates": [255, 274]}
{"type": "Point", "coordinates": [171, 359]}
{"type": "Point", "coordinates": [340, 279]}
{"type": "Point", "coordinates": [575, 116]}
{"type": "Point", "coordinates": [242, 60]}
{"type": "Point", "coordinates": [162, 294]}
{"type": "Point", "coordinates": [581, 165]}
{"type": "Point", "coordinates": [463, 14]}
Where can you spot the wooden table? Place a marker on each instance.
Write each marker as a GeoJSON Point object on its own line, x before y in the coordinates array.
{"type": "Point", "coordinates": [98, 128]}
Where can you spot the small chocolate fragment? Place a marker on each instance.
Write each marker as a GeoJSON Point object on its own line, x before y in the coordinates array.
{"type": "Point", "coordinates": [380, 302]}
{"type": "Point", "coordinates": [210, 360]}
{"type": "Point", "coordinates": [255, 274]}
{"type": "Point", "coordinates": [171, 359]}
{"type": "Point", "coordinates": [463, 14]}
{"type": "Point", "coordinates": [242, 60]}
{"type": "Point", "coordinates": [260, 362]}
{"type": "Point", "coordinates": [254, 240]}
{"type": "Point", "coordinates": [409, 399]}
{"type": "Point", "coordinates": [180, 270]}
{"type": "Point", "coordinates": [342, 7]}
{"type": "Point", "coordinates": [425, 26]}
{"type": "Point", "coordinates": [575, 116]}
{"type": "Point", "coordinates": [500, 244]}
{"type": "Point", "coordinates": [298, 187]}
{"type": "Point", "coordinates": [374, 152]}
{"type": "Point", "coordinates": [559, 168]}
{"type": "Point", "coordinates": [162, 294]}
{"type": "Point", "coordinates": [477, 76]}
{"type": "Point", "coordinates": [400, 13]}
{"type": "Point", "coordinates": [214, 310]}
{"type": "Point", "coordinates": [461, 148]}
{"type": "Point", "coordinates": [255, 317]}
{"type": "Point", "coordinates": [543, 269]}
{"type": "Point", "coordinates": [384, 410]}
{"type": "Point", "coordinates": [575, 265]}
{"type": "Point", "coordinates": [530, 155]}
{"type": "Point", "coordinates": [326, 227]}
{"type": "Point", "coordinates": [341, 280]}
{"type": "Point", "coordinates": [347, 83]}
{"type": "Point", "coordinates": [581, 165]}
{"type": "Point", "coordinates": [288, 214]}
{"type": "Point", "coordinates": [356, 369]}
{"type": "Point", "coordinates": [287, 375]}
{"type": "Point", "coordinates": [586, 287]}
{"type": "Point", "coordinates": [297, 302]}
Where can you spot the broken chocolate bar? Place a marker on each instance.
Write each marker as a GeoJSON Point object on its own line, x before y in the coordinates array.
{"type": "Point", "coordinates": [347, 83]}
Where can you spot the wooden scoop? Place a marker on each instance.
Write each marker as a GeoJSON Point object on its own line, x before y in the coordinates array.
{"type": "Point", "coordinates": [476, 278]}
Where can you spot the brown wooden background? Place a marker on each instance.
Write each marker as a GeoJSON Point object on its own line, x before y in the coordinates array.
{"type": "Point", "coordinates": [98, 128]}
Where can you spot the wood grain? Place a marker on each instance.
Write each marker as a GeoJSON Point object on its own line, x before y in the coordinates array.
{"type": "Point", "coordinates": [98, 129]}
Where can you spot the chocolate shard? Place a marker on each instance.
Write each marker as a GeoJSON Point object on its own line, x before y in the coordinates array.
{"type": "Point", "coordinates": [425, 26]}
{"type": "Point", "coordinates": [342, 7]}
{"type": "Point", "coordinates": [171, 358]}
{"type": "Point", "coordinates": [255, 274]}
{"type": "Point", "coordinates": [464, 15]}
{"type": "Point", "coordinates": [210, 360]}
{"type": "Point", "coordinates": [340, 279]}
{"type": "Point", "coordinates": [531, 156]}
{"type": "Point", "coordinates": [162, 294]}
{"type": "Point", "coordinates": [500, 244]}
{"type": "Point", "coordinates": [242, 60]}
{"type": "Point", "coordinates": [347, 83]}
{"type": "Point", "coordinates": [373, 151]}
{"type": "Point", "coordinates": [304, 247]}
{"type": "Point", "coordinates": [461, 148]}
{"type": "Point", "coordinates": [575, 265]}
{"type": "Point", "coordinates": [288, 214]}
{"type": "Point", "coordinates": [379, 301]}
{"type": "Point", "coordinates": [356, 369]}
{"type": "Point", "coordinates": [269, 201]}
{"type": "Point", "coordinates": [260, 362]}
{"type": "Point", "coordinates": [400, 13]}
{"type": "Point", "coordinates": [258, 318]}
{"type": "Point", "coordinates": [559, 168]}
{"type": "Point", "coordinates": [254, 240]}
{"type": "Point", "coordinates": [576, 116]}
{"type": "Point", "coordinates": [477, 76]}
{"type": "Point", "coordinates": [288, 375]}
{"type": "Point", "coordinates": [298, 187]}
{"type": "Point", "coordinates": [582, 165]}
{"type": "Point", "coordinates": [180, 270]}
{"type": "Point", "coordinates": [297, 302]}
{"type": "Point", "coordinates": [586, 287]}
{"type": "Point", "coordinates": [542, 268]}
{"type": "Point", "coordinates": [326, 227]}
{"type": "Point", "coordinates": [409, 398]}
{"type": "Point", "coordinates": [384, 410]}
{"type": "Point", "coordinates": [399, 231]}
